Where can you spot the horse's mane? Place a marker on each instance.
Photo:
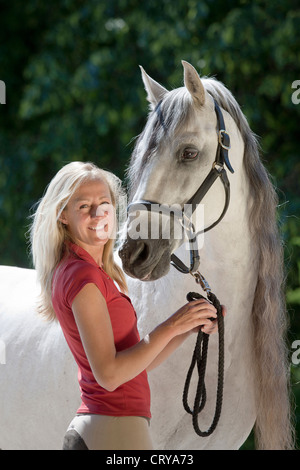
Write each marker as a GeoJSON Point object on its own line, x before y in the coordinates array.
{"type": "Point", "coordinates": [273, 425]}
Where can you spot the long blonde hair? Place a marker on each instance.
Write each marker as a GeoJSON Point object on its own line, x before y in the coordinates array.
{"type": "Point", "coordinates": [48, 234]}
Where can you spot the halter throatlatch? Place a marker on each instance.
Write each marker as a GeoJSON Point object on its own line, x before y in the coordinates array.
{"type": "Point", "coordinates": [201, 348]}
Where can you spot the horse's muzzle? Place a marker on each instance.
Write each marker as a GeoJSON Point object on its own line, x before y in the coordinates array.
{"type": "Point", "coordinates": [147, 260]}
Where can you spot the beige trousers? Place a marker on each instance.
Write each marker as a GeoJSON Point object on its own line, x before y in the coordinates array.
{"type": "Point", "coordinates": [98, 432]}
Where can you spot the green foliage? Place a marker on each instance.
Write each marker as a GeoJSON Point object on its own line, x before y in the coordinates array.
{"type": "Point", "coordinates": [74, 92]}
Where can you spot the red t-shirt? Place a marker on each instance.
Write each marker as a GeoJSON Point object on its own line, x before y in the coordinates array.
{"type": "Point", "coordinates": [76, 270]}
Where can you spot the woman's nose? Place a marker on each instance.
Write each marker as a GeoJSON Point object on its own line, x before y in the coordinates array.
{"type": "Point", "coordinates": [95, 213]}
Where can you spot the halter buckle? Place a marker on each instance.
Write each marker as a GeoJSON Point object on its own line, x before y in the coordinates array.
{"type": "Point", "coordinates": [217, 166]}
{"type": "Point", "coordinates": [224, 139]}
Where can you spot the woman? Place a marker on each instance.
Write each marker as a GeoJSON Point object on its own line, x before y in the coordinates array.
{"type": "Point", "coordinates": [72, 238]}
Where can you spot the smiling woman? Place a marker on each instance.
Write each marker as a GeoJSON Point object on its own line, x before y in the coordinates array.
{"type": "Point", "coordinates": [89, 216]}
{"type": "Point", "coordinates": [55, 221]}
{"type": "Point", "coordinates": [72, 244]}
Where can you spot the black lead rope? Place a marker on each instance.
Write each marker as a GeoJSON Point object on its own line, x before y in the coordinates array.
{"type": "Point", "coordinates": [200, 358]}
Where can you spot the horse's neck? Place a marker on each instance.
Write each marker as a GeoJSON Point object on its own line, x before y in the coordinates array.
{"type": "Point", "coordinates": [228, 255]}
{"type": "Point", "coordinates": [228, 262]}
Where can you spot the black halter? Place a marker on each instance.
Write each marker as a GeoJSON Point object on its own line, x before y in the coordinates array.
{"type": "Point", "coordinates": [217, 171]}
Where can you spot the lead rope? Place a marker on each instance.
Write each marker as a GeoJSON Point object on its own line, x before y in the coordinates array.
{"type": "Point", "coordinates": [200, 358]}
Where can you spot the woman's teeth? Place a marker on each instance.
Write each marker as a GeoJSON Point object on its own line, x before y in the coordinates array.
{"type": "Point", "coordinates": [99, 227]}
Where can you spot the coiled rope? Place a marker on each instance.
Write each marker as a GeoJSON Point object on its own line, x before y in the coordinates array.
{"type": "Point", "coordinates": [200, 358]}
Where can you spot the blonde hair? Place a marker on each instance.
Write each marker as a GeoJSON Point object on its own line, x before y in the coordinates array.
{"type": "Point", "coordinates": [48, 234]}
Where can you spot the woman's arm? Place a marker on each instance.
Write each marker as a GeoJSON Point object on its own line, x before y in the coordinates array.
{"type": "Point", "coordinates": [210, 328]}
{"type": "Point", "coordinates": [112, 368]}
{"type": "Point", "coordinates": [168, 350]}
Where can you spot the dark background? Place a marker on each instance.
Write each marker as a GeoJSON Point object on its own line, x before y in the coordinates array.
{"type": "Point", "coordinates": [74, 92]}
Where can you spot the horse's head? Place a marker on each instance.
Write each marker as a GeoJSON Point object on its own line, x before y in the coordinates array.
{"type": "Point", "coordinates": [171, 158]}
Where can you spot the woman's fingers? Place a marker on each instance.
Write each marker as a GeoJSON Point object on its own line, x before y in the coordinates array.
{"type": "Point", "coordinates": [197, 314]}
{"type": "Point", "coordinates": [213, 326]}
{"type": "Point", "coordinates": [210, 328]}
{"type": "Point", "coordinates": [204, 308]}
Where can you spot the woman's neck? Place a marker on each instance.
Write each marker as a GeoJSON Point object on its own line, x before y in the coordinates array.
{"type": "Point", "coordinates": [96, 252]}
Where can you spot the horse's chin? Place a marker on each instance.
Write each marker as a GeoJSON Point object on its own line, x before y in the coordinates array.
{"type": "Point", "coordinates": [150, 273]}
{"type": "Point", "coordinates": [160, 270]}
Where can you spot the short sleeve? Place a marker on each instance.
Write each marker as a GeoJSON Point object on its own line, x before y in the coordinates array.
{"type": "Point", "coordinates": [77, 276]}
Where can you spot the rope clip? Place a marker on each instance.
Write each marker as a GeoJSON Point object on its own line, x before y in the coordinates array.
{"type": "Point", "coordinates": [200, 279]}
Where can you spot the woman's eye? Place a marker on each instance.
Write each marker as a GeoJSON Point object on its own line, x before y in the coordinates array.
{"type": "Point", "coordinates": [189, 154]}
{"type": "Point", "coordinates": [84, 206]}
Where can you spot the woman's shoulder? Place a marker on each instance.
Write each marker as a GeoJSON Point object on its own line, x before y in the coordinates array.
{"type": "Point", "coordinates": [74, 268]}
{"type": "Point", "coordinates": [77, 264]}
{"type": "Point", "coordinates": [72, 274]}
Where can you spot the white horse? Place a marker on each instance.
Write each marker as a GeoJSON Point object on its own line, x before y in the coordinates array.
{"type": "Point", "coordinates": [241, 258]}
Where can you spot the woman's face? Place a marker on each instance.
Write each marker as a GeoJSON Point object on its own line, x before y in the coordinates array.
{"type": "Point", "coordinates": [89, 214]}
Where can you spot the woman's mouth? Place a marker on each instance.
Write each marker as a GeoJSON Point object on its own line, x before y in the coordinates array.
{"type": "Point", "coordinates": [99, 229]}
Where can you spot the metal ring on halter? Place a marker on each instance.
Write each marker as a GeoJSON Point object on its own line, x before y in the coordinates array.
{"type": "Point", "coordinates": [217, 166]}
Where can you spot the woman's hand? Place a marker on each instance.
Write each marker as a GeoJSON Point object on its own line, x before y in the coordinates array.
{"type": "Point", "coordinates": [194, 314]}
{"type": "Point", "coordinates": [112, 368]}
{"type": "Point", "coordinates": [213, 327]}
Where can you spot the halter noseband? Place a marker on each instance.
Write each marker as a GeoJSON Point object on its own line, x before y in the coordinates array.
{"type": "Point", "coordinates": [217, 171]}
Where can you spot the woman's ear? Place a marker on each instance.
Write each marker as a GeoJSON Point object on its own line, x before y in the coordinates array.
{"type": "Point", "coordinates": [63, 218]}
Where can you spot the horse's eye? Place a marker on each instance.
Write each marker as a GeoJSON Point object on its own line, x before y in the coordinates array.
{"type": "Point", "coordinates": [189, 154]}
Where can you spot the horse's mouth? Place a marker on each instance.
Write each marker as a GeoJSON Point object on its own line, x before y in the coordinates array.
{"type": "Point", "coordinates": [145, 260]}
{"type": "Point", "coordinates": [147, 277]}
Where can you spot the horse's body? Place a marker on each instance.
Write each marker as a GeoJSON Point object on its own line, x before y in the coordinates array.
{"type": "Point", "coordinates": [38, 387]}
{"type": "Point", "coordinates": [171, 425]}
{"type": "Point", "coordinates": [38, 382]}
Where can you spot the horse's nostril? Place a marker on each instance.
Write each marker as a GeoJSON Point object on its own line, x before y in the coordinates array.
{"type": "Point", "coordinates": [140, 253]}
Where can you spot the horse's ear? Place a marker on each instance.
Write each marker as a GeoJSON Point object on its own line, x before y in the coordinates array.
{"type": "Point", "coordinates": [155, 92]}
{"type": "Point", "coordinates": [193, 83]}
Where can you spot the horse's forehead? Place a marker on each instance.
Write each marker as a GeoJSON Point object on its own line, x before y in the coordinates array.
{"type": "Point", "coordinates": [158, 139]}
{"type": "Point", "coordinates": [172, 123]}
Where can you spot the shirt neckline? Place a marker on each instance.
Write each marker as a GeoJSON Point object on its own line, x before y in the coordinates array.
{"type": "Point", "coordinates": [82, 253]}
